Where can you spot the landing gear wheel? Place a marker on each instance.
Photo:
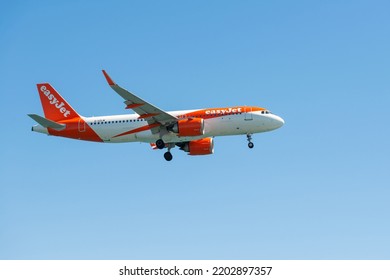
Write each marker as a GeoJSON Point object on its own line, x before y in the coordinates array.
{"type": "Point", "coordinates": [249, 138]}
{"type": "Point", "coordinates": [168, 156]}
{"type": "Point", "coordinates": [160, 144]}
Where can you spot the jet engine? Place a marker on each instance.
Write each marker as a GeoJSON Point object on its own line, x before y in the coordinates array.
{"type": "Point", "coordinates": [188, 127]}
{"type": "Point", "coordinates": [199, 147]}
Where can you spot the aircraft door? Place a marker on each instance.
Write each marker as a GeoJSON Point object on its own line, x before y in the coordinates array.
{"type": "Point", "coordinates": [81, 125]}
{"type": "Point", "coordinates": [248, 114]}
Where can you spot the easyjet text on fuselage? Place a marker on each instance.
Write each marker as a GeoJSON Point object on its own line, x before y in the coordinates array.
{"type": "Point", "coordinates": [224, 111]}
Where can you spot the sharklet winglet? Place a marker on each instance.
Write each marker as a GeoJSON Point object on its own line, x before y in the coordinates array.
{"type": "Point", "coordinates": [108, 78]}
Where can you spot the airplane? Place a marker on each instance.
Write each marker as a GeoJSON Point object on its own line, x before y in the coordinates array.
{"type": "Point", "coordinates": [193, 131]}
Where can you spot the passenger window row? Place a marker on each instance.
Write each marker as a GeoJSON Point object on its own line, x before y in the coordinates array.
{"type": "Point", "coordinates": [182, 116]}
{"type": "Point", "coordinates": [112, 122]}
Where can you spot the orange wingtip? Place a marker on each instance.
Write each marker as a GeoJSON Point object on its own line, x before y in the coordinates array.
{"type": "Point", "coordinates": [108, 78]}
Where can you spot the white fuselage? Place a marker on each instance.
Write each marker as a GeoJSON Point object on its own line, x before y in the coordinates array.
{"type": "Point", "coordinates": [108, 127]}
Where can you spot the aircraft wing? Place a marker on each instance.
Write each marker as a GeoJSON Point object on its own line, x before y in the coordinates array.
{"type": "Point", "coordinates": [147, 111]}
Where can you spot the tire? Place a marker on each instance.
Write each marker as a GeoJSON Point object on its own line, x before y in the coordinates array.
{"type": "Point", "coordinates": [250, 145]}
{"type": "Point", "coordinates": [168, 156]}
{"type": "Point", "coordinates": [160, 144]}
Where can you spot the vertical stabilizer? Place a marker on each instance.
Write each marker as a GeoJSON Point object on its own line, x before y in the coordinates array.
{"type": "Point", "coordinates": [54, 105]}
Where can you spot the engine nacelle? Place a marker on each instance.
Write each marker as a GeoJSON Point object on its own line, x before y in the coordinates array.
{"type": "Point", "coordinates": [199, 147]}
{"type": "Point", "coordinates": [188, 127]}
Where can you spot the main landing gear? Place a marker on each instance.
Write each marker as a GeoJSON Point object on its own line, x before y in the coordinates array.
{"type": "Point", "coordinates": [249, 138]}
{"type": "Point", "coordinates": [161, 145]}
{"type": "Point", "coordinates": [168, 156]}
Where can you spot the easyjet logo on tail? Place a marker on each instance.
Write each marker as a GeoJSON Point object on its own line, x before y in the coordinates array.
{"type": "Point", "coordinates": [54, 101]}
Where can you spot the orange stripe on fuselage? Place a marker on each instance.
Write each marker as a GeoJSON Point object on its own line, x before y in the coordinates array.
{"type": "Point", "coordinates": [142, 128]}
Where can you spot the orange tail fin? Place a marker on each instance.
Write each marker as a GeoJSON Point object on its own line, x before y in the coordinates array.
{"type": "Point", "coordinates": [54, 105]}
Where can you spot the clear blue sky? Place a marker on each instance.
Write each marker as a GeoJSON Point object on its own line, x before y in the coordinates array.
{"type": "Point", "coordinates": [318, 188]}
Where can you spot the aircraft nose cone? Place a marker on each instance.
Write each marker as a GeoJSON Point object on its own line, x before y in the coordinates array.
{"type": "Point", "coordinates": [280, 121]}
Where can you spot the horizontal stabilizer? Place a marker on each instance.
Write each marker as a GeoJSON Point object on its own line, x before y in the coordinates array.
{"type": "Point", "coordinates": [47, 123]}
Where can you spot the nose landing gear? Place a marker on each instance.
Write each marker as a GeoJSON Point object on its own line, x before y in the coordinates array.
{"type": "Point", "coordinates": [249, 138]}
